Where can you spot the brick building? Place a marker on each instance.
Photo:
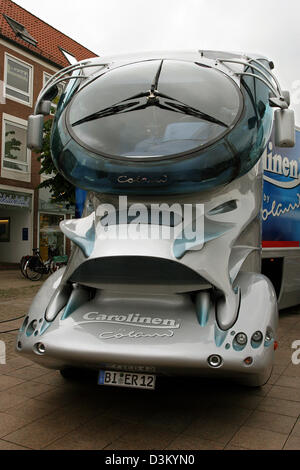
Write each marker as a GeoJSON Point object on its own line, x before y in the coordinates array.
{"type": "Point", "coordinates": [30, 52]}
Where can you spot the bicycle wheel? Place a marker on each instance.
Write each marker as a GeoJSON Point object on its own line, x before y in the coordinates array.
{"type": "Point", "coordinates": [23, 261]}
{"type": "Point", "coordinates": [55, 266]}
{"type": "Point", "coordinates": [30, 273]}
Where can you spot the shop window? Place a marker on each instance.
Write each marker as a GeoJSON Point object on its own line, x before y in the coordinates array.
{"type": "Point", "coordinates": [18, 80]}
{"type": "Point", "coordinates": [16, 156]}
{"type": "Point", "coordinates": [4, 229]}
{"type": "Point", "coordinates": [52, 240]}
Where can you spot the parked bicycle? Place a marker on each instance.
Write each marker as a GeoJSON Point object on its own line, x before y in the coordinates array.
{"type": "Point", "coordinates": [33, 267]}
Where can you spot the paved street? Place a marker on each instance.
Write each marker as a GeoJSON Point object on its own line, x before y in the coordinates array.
{"type": "Point", "coordinates": [40, 410]}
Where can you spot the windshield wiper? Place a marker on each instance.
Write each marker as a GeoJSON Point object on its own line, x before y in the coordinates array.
{"type": "Point", "coordinates": [110, 111]}
{"type": "Point", "coordinates": [190, 111]}
{"type": "Point", "coordinates": [152, 96]}
{"type": "Point", "coordinates": [118, 108]}
{"type": "Point", "coordinates": [154, 85]}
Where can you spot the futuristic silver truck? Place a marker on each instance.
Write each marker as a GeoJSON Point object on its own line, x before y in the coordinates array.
{"type": "Point", "coordinates": [165, 272]}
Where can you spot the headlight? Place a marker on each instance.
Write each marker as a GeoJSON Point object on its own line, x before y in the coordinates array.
{"type": "Point", "coordinates": [215, 361]}
{"type": "Point", "coordinates": [39, 348]}
{"type": "Point", "coordinates": [269, 336]}
{"type": "Point", "coordinates": [241, 339]}
{"type": "Point", "coordinates": [257, 337]}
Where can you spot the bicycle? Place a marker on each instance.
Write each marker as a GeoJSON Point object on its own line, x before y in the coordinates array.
{"type": "Point", "coordinates": [33, 267]}
{"type": "Point", "coordinates": [23, 261]}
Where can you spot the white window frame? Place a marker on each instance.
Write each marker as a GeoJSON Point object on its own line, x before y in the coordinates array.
{"type": "Point", "coordinates": [46, 74]}
{"type": "Point", "coordinates": [10, 172]}
{"type": "Point", "coordinates": [13, 98]}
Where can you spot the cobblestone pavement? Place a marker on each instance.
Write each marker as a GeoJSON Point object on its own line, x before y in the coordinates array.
{"type": "Point", "coordinates": [40, 410]}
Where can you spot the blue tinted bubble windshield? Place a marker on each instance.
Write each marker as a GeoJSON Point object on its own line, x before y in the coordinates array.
{"type": "Point", "coordinates": [154, 108]}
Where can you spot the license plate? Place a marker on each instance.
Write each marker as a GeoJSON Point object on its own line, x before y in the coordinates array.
{"type": "Point", "coordinates": [126, 379]}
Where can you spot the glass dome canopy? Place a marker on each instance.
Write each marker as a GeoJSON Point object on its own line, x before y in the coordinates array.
{"type": "Point", "coordinates": [158, 126]}
{"type": "Point", "coordinates": [154, 109]}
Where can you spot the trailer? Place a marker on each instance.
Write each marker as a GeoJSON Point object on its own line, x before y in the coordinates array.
{"type": "Point", "coordinates": [165, 275]}
{"type": "Point", "coordinates": [281, 221]}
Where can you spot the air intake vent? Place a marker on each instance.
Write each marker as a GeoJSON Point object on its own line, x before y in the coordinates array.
{"type": "Point", "coordinates": [132, 272]}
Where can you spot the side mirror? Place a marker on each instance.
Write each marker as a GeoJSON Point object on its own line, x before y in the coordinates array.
{"type": "Point", "coordinates": [35, 132]}
{"type": "Point", "coordinates": [287, 97]}
{"type": "Point", "coordinates": [284, 128]}
{"type": "Point", "coordinates": [44, 108]}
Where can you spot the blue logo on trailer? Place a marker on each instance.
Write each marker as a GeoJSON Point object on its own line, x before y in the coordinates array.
{"type": "Point", "coordinates": [281, 198]}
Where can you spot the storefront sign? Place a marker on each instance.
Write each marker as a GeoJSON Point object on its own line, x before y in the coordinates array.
{"type": "Point", "coordinates": [15, 200]}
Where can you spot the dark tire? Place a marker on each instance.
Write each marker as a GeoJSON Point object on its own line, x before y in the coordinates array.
{"type": "Point", "coordinates": [70, 373]}
{"type": "Point", "coordinates": [79, 375]}
{"type": "Point", "coordinates": [30, 273]}
{"type": "Point", "coordinates": [257, 381]}
{"type": "Point", "coordinates": [65, 373]}
{"type": "Point", "coordinates": [23, 262]}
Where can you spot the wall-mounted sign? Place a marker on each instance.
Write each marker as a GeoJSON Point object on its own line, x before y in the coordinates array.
{"type": "Point", "coordinates": [16, 200]}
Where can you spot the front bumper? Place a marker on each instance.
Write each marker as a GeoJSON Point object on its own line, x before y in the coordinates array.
{"type": "Point", "coordinates": [158, 334]}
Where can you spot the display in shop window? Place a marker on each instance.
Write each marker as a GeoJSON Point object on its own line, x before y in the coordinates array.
{"type": "Point", "coordinates": [5, 229]}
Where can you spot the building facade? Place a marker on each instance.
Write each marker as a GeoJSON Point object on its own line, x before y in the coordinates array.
{"type": "Point", "coordinates": [31, 51]}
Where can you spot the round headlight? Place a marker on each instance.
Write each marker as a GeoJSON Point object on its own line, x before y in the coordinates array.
{"type": "Point", "coordinates": [40, 348]}
{"type": "Point", "coordinates": [257, 336]}
{"type": "Point", "coordinates": [241, 339]}
{"type": "Point", "coordinates": [269, 336]}
{"type": "Point", "coordinates": [215, 360]}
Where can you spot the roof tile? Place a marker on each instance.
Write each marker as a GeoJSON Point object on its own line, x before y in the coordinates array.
{"type": "Point", "coordinates": [49, 40]}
